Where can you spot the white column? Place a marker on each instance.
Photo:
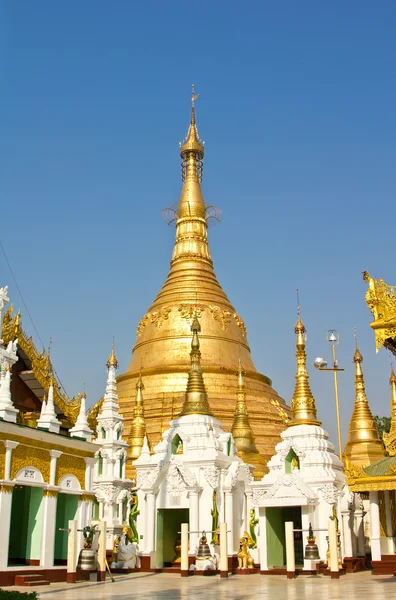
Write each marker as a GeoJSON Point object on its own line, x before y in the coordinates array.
{"type": "Point", "coordinates": [194, 518]}
{"type": "Point", "coordinates": [55, 454]}
{"type": "Point", "coordinates": [184, 550]}
{"type": "Point", "coordinates": [347, 531]}
{"type": "Point", "coordinates": [389, 528]}
{"type": "Point", "coordinates": [149, 545]}
{"type": "Point", "coordinates": [48, 533]}
{"type": "Point", "coordinates": [306, 516]}
{"type": "Point", "coordinates": [375, 527]}
{"type": "Point", "coordinates": [72, 552]}
{"type": "Point", "coordinates": [290, 557]}
{"type": "Point", "coordinates": [5, 520]}
{"type": "Point", "coordinates": [120, 507]}
{"type": "Point", "coordinates": [89, 464]}
{"type": "Point", "coordinates": [229, 518]}
{"type": "Point", "coordinates": [9, 446]}
{"type": "Point", "coordinates": [223, 550]}
{"type": "Point", "coordinates": [89, 508]}
{"type": "Point", "coordinates": [334, 571]}
{"type": "Point", "coordinates": [359, 531]}
{"type": "Point", "coordinates": [102, 551]}
{"type": "Point", "coordinates": [262, 541]}
{"type": "Point", "coordinates": [81, 521]}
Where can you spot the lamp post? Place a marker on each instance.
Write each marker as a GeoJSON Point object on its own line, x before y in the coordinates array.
{"type": "Point", "coordinates": [333, 338]}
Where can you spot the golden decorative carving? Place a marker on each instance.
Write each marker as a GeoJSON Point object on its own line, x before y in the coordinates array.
{"type": "Point", "coordinates": [6, 489]}
{"type": "Point", "coordinates": [381, 300]}
{"type": "Point", "coordinates": [240, 324]}
{"type": "Point", "coordinates": [160, 315]}
{"type": "Point", "coordinates": [41, 365]}
{"type": "Point", "coordinates": [27, 441]}
{"type": "Point", "coordinates": [29, 456]}
{"type": "Point", "coordinates": [51, 493]}
{"type": "Point", "coordinates": [223, 317]}
{"type": "Point", "coordinates": [187, 311]}
{"type": "Point", "coordinates": [389, 439]}
{"type": "Point", "coordinates": [70, 465]}
{"type": "Point", "coordinates": [142, 324]}
{"type": "Point", "coordinates": [2, 461]}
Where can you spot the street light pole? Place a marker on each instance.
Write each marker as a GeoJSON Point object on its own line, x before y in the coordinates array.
{"type": "Point", "coordinates": [333, 339]}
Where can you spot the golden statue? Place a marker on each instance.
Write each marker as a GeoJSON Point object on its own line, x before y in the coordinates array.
{"type": "Point", "coordinates": [245, 559]}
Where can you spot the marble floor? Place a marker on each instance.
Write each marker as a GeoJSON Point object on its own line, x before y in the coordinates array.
{"type": "Point", "coordinates": [238, 587]}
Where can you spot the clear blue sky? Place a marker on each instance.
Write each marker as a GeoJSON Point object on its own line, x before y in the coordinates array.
{"type": "Point", "coordinates": [297, 109]}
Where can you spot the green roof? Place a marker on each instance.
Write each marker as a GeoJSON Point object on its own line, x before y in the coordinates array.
{"type": "Point", "coordinates": [381, 467]}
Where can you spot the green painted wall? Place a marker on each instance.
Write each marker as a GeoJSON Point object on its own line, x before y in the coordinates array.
{"type": "Point", "coordinates": [168, 525]}
{"type": "Point", "coordinates": [66, 510]}
{"type": "Point", "coordinates": [275, 537]}
{"type": "Point", "coordinates": [26, 523]}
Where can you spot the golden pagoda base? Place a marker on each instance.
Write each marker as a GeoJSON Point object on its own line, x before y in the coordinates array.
{"type": "Point", "coordinates": [164, 395]}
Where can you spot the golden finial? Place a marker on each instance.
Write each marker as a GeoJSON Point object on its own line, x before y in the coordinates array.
{"type": "Point", "coordinates": [363, 446]}
{"type": "Point", "coordinates": [241, 429]}
{"type": "Point", "coordinates": [112, 360]}
{"type": "Point", "coordinates": [390, 438]}
{"type": "Point", "coordinates": [138, 427]}
{"type": "Point", "coordinates": [196, 399]}
{"type": "Point", "coordinates": [303, 403]}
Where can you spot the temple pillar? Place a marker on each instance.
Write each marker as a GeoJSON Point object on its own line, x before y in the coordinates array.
{"type": "Point", "coordinates": [262, 541]}
{"type": "Point", "coordinates": [89, 465]}
{"type": "Point", "coordinates": [229, 519]}
{"type": "Point", "coordinates": [5, 520]}
{"type": "Point", "coordinates": [359, 532]}
{"type": "Point", "coordinates": [55, 454]}
{"type": "Point", "coordinates": [375, 536]}
{"type": "Point", "coordinates": [149, 544]}
{"type": "Point", "coordinates": [389, 528]}
{"type": "Point", "coordinates": [9, 446]}
{"type": "Point", "coordinates": [49, 501]}
{"type": "Point", "coordinates": [194, 518]}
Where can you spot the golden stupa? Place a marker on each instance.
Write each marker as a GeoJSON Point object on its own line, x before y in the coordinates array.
{"type": "Point", "coordinates": [162, 348]}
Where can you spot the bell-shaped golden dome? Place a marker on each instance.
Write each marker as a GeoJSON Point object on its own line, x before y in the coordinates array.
{"type": "Point", "coordinates": [163, 335]}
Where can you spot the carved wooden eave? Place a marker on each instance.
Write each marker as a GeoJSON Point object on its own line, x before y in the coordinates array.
{"type": "Point", "coordinates": [381, 300]}
{"type": "Point", "coordinates": [379, 476]}
{"type": "Point", "coordinates": [40, 366]}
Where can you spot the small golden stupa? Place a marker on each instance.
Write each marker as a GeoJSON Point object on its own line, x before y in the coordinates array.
{"type": "Point", "coordinates": [163, 334]}
{"type": "Point", "coordinates": [303, 405]}
{"type": "Point", "coordinates": [364, 446]}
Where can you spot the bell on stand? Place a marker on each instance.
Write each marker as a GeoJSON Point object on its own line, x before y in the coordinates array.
{"type": "Point", "coordinates": [311, 549]}
{"type": "Point", "coordinates": [203, 552]}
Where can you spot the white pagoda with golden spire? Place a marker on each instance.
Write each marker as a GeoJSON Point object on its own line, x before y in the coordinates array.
{"type": "Point", "coordinates": [305, 480]}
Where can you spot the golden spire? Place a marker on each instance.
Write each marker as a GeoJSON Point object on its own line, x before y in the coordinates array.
{"type": "Point", "coordinates": [390, 438]}
{"type": "Point", "coordinates": [196, 399]}
{"type": "Point", "coordinates": [303, 403]}
{"type": "Point", "coordinates": [112, 362]}
{"type": "Point", "coordinates": [242, 431]}
{"type": "Point", "coordinates": [363, 446]}
{"type": "Point", "coordinates": [138, 428]}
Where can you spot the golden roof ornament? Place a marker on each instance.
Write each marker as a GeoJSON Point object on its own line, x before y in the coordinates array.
{"type": "Point", "coordinates": [112, 361]}
{"type": "Point", "coordinates": [303, 404]}
{"type": "Point", "coordinates": [364, 445]}
{"type": "Point", "coordinates": [390, 438]}
{"type": "Point", "coordinates": [196, 399]}
{"type": "Point", "coordinates": [381, 300]}
{"type": "Point", "coordinates": [242, 431]}
{"type": "Point", "coordinates": [138, 427]}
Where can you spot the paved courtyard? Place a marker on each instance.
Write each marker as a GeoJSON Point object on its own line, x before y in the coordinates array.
{"type": "Point", "coordinates": [237, 587]}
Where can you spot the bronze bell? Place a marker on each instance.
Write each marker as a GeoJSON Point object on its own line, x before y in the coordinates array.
{"type": "Point", "coordinates": [311, 551]}
{"type": "Point", "coordinates": [203, 548]}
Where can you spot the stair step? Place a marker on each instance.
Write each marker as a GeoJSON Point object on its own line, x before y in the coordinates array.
{"type": "Point", "coordinates": [30, 580]}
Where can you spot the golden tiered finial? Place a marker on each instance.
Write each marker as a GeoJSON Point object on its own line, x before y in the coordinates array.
{"type": "Point", "coordinates": [191, 203]}
{"type": "Point", "coordinates": [196, 399]}
{"type": "Point", "coordinates": [363, 446]}
{"type": "Point", "coordinates": [390, 438]}
{"type": "Point", "coordinates": [303, 403]}
{"type": "Point", "coordinates": [241, 429]}
{"type": "Point", "coordinates": [112, 361]}
{"type": "Point", "coordinates": [138, 428]}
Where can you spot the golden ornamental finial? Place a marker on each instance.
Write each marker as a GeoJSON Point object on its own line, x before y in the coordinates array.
{"type": "Point", "coordinates": [138, 427]}
{"type": "Point", "coordinates": [303, 403]}
{"type": "Point", "coordinates": [196, 399]}
{"type": "Point", "coordinates": [363, 446]}
{"type": "Point", "coordinates": [112, 360]}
